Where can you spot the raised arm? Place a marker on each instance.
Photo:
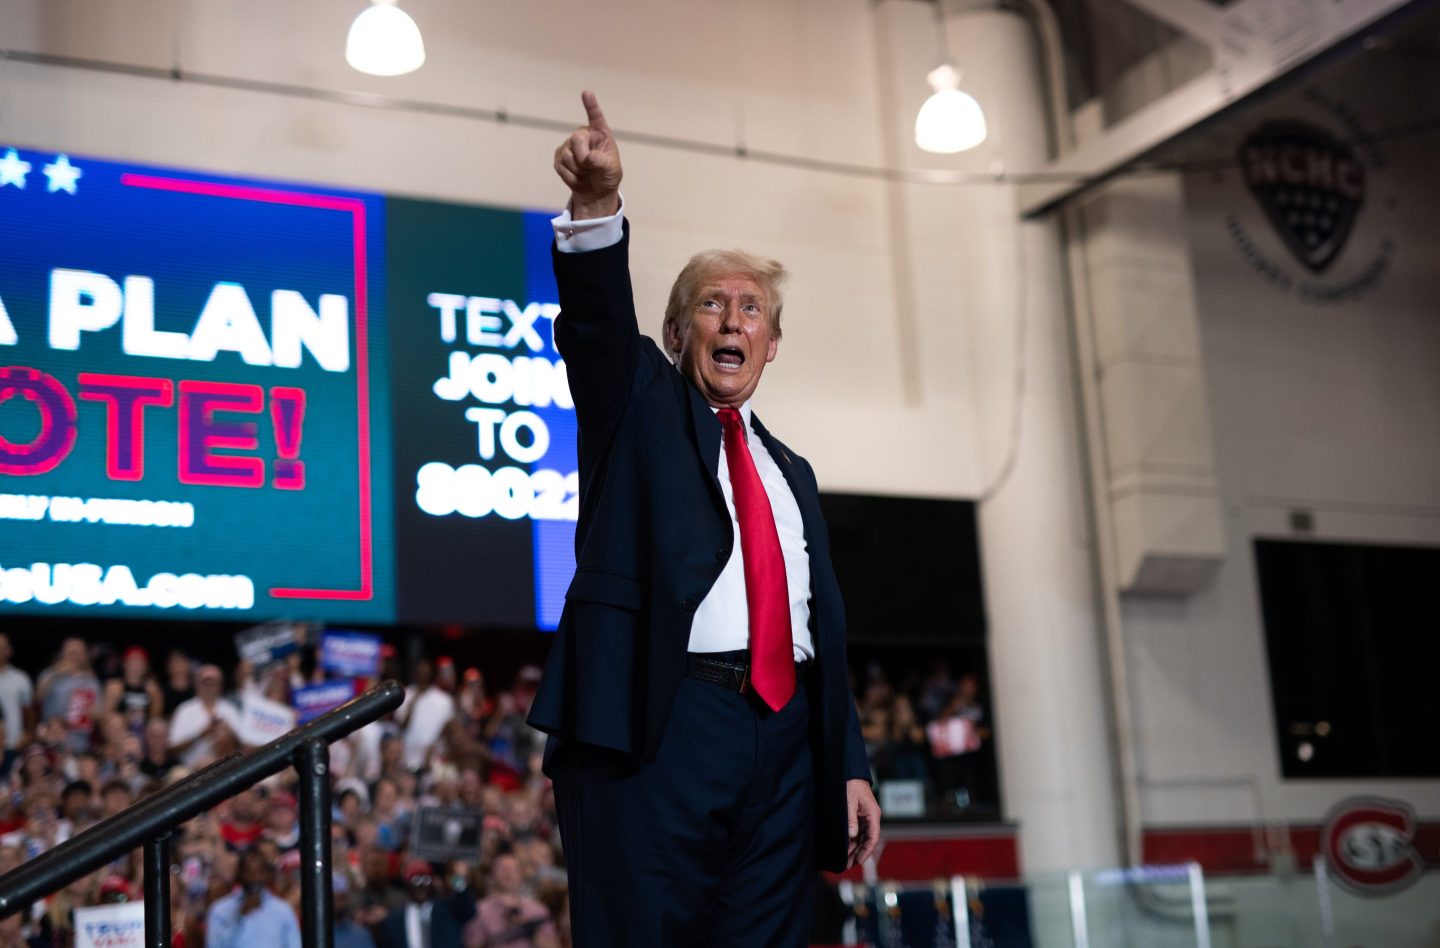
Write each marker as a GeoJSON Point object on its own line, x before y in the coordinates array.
{"type": "Point", "coordinates": [596, 332]}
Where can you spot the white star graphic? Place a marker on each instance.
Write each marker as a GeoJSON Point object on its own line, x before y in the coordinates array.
{"type": "Point", "coordinates": [62, 175]}
{"type": "Point", "coordinates": [13, 170]}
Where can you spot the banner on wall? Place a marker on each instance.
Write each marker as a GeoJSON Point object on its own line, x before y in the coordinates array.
{"type": "Point", "coordinates": [245, 399]}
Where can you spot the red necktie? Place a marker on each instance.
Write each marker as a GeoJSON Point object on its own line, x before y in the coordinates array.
{"type": "Point", "coordinates": [767, 596]}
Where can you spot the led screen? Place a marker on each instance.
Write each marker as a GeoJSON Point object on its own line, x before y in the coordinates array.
{"type": "Point", "coordinates": [240, 399]}
{"type": "Point", "coordinates": [485, 472]}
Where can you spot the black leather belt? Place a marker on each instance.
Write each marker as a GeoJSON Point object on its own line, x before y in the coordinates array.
{"type": "Point", "coordinates": [729, 669]}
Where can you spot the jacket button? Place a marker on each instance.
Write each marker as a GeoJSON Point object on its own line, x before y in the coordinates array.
{"type": "Point", "coordinates": [690, 604]}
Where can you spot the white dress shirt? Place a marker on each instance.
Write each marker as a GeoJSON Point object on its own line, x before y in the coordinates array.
{"type": "Point", "coordinates": [722, 621]}
{"type": "Point", "coordinates": [417, 925]}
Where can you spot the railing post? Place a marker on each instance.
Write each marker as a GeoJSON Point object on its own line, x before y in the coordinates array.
{"type": "Point", "coordinates": [157, 892]}
{"type": "Point", "coordinates": [317, 898]}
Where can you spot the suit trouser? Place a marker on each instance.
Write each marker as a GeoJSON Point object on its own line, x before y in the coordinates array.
{"type": "Point", "coordinates": [708, 845]}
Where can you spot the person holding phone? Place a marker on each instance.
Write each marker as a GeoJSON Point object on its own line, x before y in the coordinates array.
{"type": "Point", "coordinates": [252, 914]}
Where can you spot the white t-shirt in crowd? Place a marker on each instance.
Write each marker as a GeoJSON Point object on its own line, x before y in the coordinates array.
{"type": "Point", "coordinates": [16, 694]}
{"type": "Point", "coordinates": [431, 710]}
{"type": "Point", "coordinates": [192, 718]}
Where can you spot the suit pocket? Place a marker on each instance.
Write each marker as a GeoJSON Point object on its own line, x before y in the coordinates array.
{"type": "Point", "coordinates": [605, 681]}
{"type": "Point", "coordinates": [606, 588]}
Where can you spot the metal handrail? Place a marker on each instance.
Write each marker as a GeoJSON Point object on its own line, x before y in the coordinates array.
{"type": "Point", "coordinates": [150, 822]}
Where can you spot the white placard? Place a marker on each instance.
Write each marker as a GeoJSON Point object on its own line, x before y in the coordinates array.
{"type": "Point", "coordinates": [263, 720]}
{"type": "Point", "coordinates": [902, 798]}
{"type": "Point", "coordinates": [110, 926]}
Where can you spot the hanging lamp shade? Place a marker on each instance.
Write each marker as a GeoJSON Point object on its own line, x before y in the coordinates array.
{"type": "Point", "coordinates": [950, 121]}
{"type": "Point", "coordinates": [384, 41]}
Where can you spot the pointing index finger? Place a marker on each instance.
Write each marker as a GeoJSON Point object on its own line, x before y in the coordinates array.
{"type": "Point", "coordinates": [593, 116]}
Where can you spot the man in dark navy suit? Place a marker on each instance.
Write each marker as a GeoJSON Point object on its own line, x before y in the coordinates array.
{"type": "Point", "coordinates": [704, 745]}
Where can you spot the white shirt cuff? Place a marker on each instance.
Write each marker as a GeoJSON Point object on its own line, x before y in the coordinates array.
{"type": "Point", "coordinates": [595, 233]}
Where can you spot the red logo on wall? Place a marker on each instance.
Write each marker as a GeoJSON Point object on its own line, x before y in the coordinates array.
{"type": "Point", "coordinates": [1369, 844]}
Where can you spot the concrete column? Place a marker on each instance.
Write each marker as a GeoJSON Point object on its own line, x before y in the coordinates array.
{"type": "Point", "coordinates": [988, 311]}
{"type": "Point", "coordinates": [1162, 486]}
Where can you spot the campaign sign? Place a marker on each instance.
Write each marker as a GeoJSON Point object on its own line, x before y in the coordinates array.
{"type": "Point", "coordinates": [442, 834]}
{"type": "Point", "coordinates": [263, 720]}
{"type": "Point", "coordinates": [264, 644]}
{"type": "Point", "coordinates": [314, 700]}
{"type": "Point", "coordinates": [110, 926]}
{"type": "Point", "coordinates": [192, 382]}
{"type": "Point", "coordinates": [350, 654]}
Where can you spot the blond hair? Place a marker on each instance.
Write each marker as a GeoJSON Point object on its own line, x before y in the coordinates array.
{"type": "Point", "coordinates": [705, 268]}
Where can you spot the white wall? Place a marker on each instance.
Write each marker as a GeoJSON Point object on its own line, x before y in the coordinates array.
{"type": "Point", "coordinates": [798, 78]}
{"type": "Point", "coordinates": [1332, 408]}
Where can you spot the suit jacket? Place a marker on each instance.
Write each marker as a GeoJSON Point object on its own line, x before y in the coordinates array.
{"type": "Point", "coordinates": [653, 536]}
{"type": "Point", "coordinates": [447, 920]}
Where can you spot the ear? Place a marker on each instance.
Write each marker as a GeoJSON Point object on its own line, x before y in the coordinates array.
{"type": "Point", "coordinates": [674, 339]}
{"type": "Point", "coordinates": [772, 349]}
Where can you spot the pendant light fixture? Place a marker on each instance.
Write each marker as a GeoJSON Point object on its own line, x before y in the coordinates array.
{"type": "Point", "coordinates": [384, 41]}
{"type": "Point", "coordinates": [950, 121]}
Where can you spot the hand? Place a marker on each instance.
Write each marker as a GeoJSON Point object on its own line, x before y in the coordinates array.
{"type": "Point", "coordinates": [864, 821]}
{"type": "Point", "coordinates": [589, 164]}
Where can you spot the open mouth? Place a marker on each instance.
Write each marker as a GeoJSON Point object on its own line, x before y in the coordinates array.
{"type": "Point", "coordinates": [728, 356]}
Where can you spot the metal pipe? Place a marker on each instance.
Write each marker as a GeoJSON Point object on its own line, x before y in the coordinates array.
{"type": "Point", "coordinates": [169, 808]}
{"type": "Point", "coordinates": [1107, 581]}
{"type": "Point", "coordinates": [1062, 132]}
{"type": "Point", "coordinates": [157, 892]}
{"type": "Point", "coordinates": [317, 899]}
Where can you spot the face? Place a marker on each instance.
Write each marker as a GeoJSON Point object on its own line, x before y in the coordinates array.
{"type": "Point", "coordinates": [728, 341]}
{"type": "Point", "coordinates": [74, 653]}
{"type": "Point", "coordinates": [157, 735]}
{"type": "Point", "coordinates": [505, 874]}
{"type": "Point", "coordinates": [419, 886]}
{"type": "Point", "coordinates": [254, 870]}
{"type": "Point", "coordinates": [5, 651]}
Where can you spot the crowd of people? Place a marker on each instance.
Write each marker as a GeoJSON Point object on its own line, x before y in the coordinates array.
{"type": "Point", "coordinates": [98, 729]}
{"type": "Point", "coordinates": [929, 731]}
{"type": "Point", "coordinates": [95, 731]}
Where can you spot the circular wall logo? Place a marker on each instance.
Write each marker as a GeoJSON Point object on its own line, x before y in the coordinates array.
{"type": "Point", "coordinates": [1310, 185]}
{"type": "Point", "coordinates": [1313, 181]}
{"type": "Point", "coordinates": [1369, 844]}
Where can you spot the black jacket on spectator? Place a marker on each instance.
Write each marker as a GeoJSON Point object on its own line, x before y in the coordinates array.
{"type": "Point", "coordinates": [447, 918]}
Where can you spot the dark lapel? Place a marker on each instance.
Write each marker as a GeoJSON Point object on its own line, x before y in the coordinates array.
{"type": "Point", "coordinates": [809, 503]}
{"type": "Point", "coordinates": [805, 498]}
{"type": "Point", "coordinates": [708, 433]}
